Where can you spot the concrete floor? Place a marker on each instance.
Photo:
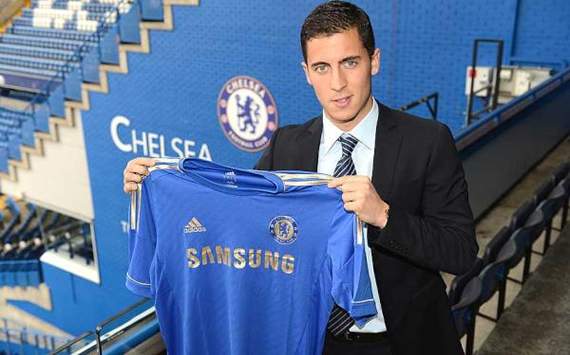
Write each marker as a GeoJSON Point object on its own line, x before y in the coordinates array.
{"type": "Point", "coordinates": [499, 216]}
{"type": "Point", "coordinates": [537, 321]}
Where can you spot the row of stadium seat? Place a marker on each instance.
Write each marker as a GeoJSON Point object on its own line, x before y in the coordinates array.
{"type": "Point", "coordinates": [32, 52]}
{"type": "Point", "coordinates": [19, 338]}
{"type": "Point", "coordinates": [513, 243]}
{"type": "Point", "coordinates": [27, 231]}
{"type": "Point", "coordinates": [72, 4]}
{"type": "Point", "coordinates": [17, 128]}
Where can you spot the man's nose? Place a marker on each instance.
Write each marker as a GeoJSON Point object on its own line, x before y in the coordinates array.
{"type": "Point", "coordinates": [338, 80]}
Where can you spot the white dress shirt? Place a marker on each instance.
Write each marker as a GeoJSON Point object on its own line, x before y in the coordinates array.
{"type": "Point", "coordinates": [330, 152]}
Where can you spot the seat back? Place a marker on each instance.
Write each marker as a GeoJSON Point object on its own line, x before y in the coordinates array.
{"type": "Point", "coordinates": [465, 310]}
{"type": "Point", "coordinates": [495, 244]}
{"type": "Point", "coordinates": [459, 282]}
{"type": "Point", "coordinates": [515, 248]}
{"type": "Point", "coordinates": [491, 277]}
{"type": "Point", "coordinates": [552, 204]}
{"type": "Point", "coordinates": [561, 172]}
{"type": "Point", "coordinates": [543, 191]}
{"type": "Point", "coordinates": [535, 225]}
{"type": "Point", "coordinates": [520, 216]}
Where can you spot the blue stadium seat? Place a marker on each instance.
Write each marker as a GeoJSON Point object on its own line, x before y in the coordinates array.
{"type": "Point", "coordinates": [533, 227]}
{"type": "Point", "coordinates": [31, 41]}
{"type": "Point", "coordinates": [520, 216]}
{"type": "Point", "coordinates": [494, 246]}
{"type": "Point", "coordinates": [492, 279]}
{"type": "Point", "coordinates": [561, 172]}
{"type": "Point", "coordinates": [551, 206]}
{"type": "Point", "coordinates": [29, 51]}
{"type": "Point", "coordinates": [38, 63]}
{"type": "Point", "coordinates": [3, 158]}
{"type": "Point", "coordinates": [460, 281]}
{"type": "Point", "coordinates": [53, 33]}
{"type": "Point", "coordinates": [465, 313]}
{"type": "Point", "coordinates": [543, 190]}
{"type": "Point", "coordinates": [40, 73]}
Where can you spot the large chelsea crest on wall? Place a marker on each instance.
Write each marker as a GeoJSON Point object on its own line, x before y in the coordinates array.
{"type": "Point", "coordinates": [247, 113]}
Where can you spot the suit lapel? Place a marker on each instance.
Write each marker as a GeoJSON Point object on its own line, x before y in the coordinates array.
{"type": "Point", "coordinates": [386, 151]}
{"type": "Point", "coordinates": [308, 146]}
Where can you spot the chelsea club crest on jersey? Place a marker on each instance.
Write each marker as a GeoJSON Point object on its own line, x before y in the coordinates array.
{"type": "Point", "coordinates": [247, 113]}
{"type": "Point", "coordinates": [284, 229]}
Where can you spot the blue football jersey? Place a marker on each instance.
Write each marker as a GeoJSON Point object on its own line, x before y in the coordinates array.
{"type": "Point", "coordinates": [244, 261]}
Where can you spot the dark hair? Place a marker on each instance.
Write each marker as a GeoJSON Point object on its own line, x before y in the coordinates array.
{"type": "Point", "coordinates": [336, 17]}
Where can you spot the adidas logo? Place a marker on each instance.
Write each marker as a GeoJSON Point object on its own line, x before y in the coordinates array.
{"type": "Point", "coordinates": [194, 226]}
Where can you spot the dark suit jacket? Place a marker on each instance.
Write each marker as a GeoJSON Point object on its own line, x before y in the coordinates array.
{"type": "Point", "coordinates": [430, 229]}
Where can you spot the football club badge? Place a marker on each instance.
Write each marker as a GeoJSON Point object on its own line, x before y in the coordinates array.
{"type": "Point", "coordinates": [247, 113]}
{"type": "Point", "coordinates": [284, 229]}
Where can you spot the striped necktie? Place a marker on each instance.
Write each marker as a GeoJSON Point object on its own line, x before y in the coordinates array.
{"type": "Point", "coordinates": [340, 321]}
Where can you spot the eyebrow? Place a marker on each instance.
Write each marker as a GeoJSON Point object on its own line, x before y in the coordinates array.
{"type": "Point", "coordinates": [354, 57]}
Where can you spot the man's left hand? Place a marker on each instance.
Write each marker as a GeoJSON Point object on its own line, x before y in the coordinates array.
{"type": "Point", "coordinates": [360, 197]}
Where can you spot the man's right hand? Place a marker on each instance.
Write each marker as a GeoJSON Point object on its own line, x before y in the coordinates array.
{"type": "Point", "coordinates": [135, 171]}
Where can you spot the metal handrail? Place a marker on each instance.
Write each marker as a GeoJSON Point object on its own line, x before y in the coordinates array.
{"type": "Point", "coordinates": [427, 100]}
{"type": "Point", "coordinates": [469, 115]}
{"type": "Point", "coordinates": [72, 342]}
{"type": "Point", "coordinates": [101, 339]}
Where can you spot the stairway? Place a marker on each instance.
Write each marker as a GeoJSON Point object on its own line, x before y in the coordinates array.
{"type": "Point", "coordinates": [72, 46]}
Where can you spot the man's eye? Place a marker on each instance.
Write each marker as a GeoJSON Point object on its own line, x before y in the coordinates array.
{"type": "Point", "coordinates": [350, 64]}
{"type": "Point", "coordinates": [320, 69]}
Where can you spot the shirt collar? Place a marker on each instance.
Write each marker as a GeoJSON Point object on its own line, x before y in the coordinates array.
{"type": "Point", "coordinates": [365, 130]}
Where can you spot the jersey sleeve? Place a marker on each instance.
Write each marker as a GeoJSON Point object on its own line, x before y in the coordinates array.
{"type": "Point", "coordinates": [351, 288]}
{"type": "Point", "coordinates": [142, 242]}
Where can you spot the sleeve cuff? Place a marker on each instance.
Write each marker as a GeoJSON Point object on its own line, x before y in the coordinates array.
{"type": "Point", "coordinates": [138, 288]}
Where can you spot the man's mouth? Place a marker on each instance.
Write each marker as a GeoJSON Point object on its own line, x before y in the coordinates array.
{"type": "Point", "coordinates": [342, 101]}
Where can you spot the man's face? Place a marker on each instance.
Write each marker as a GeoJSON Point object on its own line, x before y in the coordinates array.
{"type": "Point", "coordinates": [339, 68]}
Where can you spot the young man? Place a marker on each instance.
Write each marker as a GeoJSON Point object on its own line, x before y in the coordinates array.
{"type": "Point", "coordinates": [400, 174]}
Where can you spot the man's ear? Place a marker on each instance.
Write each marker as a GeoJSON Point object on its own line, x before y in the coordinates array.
{"type": "Point", "coordinates": [375, 62]}
{"type": "Point", "coordinates": [306, 70]}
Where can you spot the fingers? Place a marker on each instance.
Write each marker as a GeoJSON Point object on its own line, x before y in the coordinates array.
{"type": "Point", "coordinates": [343, 180]}
{"type": "Point", "coordinates": [135, 171]}
{"type": "Point", "coordinates": [351, 196]}
{"type": "Point", "coordinates": [132, 177]}
{"type": "Point", "coordinates": [351, 207]}
{"type": "Point", "coordinates": [148, 162]}
{"type": "Point", "coordinates": [336, 182]}
{"type": "Point", "coordinates": [130, 187]}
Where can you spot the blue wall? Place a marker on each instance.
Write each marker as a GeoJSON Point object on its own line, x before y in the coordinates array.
{"type": "Point", "coordinates": [171, 95]}
{"type": "Point", "coordinates": [428, 45]}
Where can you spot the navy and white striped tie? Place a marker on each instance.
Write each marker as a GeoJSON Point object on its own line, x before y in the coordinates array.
{"type": "Point", "coordinates": [345, 165]}
{"type": "Point", "coordinates": [340, 321]}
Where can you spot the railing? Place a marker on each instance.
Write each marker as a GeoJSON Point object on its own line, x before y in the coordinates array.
{"type": "Point", "coordinates": [431, 102]}
{"type": "Point", "coordinates": [508, 111]}
{"type": "Point", "coordinates": [121, 328]}
{"type": "Point", "coordinates": [494, 86]}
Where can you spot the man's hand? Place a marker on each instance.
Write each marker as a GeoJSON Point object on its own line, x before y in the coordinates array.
{"type": "Point", "coordinates": [360, 197]}
{"type": "Point", "coordinates": [135, 171]}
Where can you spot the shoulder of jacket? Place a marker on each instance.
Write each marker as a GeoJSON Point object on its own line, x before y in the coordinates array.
{"type": "Point", "coordinates": [296, 129]}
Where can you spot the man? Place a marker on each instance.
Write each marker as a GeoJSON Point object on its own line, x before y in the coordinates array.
{"type": "Point", "coordinates": [400, 174]}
